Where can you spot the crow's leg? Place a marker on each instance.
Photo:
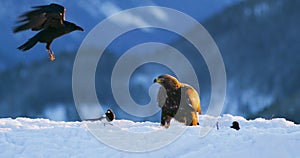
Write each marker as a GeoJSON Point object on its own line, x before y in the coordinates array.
{"type": "Point", "coordinates": [50, 52]}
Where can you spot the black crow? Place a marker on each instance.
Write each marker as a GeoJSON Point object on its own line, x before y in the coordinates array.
{"type": "Point", "coordinates": [108, 117]}
{"type": "Point", "coordinates": [50, 19]}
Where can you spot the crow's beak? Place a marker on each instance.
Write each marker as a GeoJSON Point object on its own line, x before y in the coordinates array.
{"type": "Point", "coordinates": [79, 28]}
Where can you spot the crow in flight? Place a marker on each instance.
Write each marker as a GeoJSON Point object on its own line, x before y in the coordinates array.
{"type": "Point", "coordinates": [50, 19]}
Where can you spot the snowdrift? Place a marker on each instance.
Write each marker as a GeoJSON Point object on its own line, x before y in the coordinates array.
{"type": "Point", "coordinates": [24, 137]}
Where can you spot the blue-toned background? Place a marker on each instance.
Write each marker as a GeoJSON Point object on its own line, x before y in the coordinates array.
{"type": "Point", "coordinates": [258, 39]}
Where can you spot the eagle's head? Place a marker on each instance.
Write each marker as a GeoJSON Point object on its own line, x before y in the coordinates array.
{"type": "Point", "coordinates": [168, 82]}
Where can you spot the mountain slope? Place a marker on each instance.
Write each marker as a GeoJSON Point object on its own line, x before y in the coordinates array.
{"type": "Point", "coordinates": [258, 40]}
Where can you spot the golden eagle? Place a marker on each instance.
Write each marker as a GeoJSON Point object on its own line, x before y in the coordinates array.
{"type": "Point", "coordinates": [177, 100]}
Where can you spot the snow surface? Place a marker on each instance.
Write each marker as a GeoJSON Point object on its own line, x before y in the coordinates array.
{"type": "Point", "coordinates": [25, 137]}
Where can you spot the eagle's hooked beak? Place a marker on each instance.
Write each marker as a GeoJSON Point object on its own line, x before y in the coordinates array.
{"type": "Point", "coordinates": [158, 80]}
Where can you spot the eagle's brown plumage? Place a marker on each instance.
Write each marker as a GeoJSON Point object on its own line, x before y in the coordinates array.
{"type": "Point", "coordinates": [177, 100]}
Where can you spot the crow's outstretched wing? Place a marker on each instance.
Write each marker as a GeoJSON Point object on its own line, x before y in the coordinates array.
{"type": "Point", "coordinates": [41, 17]}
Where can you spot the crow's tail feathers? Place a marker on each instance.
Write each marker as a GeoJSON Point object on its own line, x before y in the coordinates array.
{"type": "Point", "coordinates": [29, 44]}
{"type": "Point", "coordinates": [96, 119]}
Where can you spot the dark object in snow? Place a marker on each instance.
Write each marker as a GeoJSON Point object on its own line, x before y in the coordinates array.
{"type": "Point", "coordinates": [48, 18]}
{"type": "Point", "coordinates": [108, 117]}
{"type": "Point", "coordinates": [235, 125]}
{"type": "Point", "coordinates": [217, 124]}
{"type": "Point", "coordinates": [177, 100]}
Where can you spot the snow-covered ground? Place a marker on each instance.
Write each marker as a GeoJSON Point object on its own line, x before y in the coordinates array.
{"type": "Point", "coordinates": [24, 137]}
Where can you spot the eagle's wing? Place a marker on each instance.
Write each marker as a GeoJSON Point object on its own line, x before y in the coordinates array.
{"type": "Point", "coordinates": [41, 17]}
{"type": "Point", "coordinates": [161, 96]}
{"type": "Point", "coordinates": [190, 98]}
